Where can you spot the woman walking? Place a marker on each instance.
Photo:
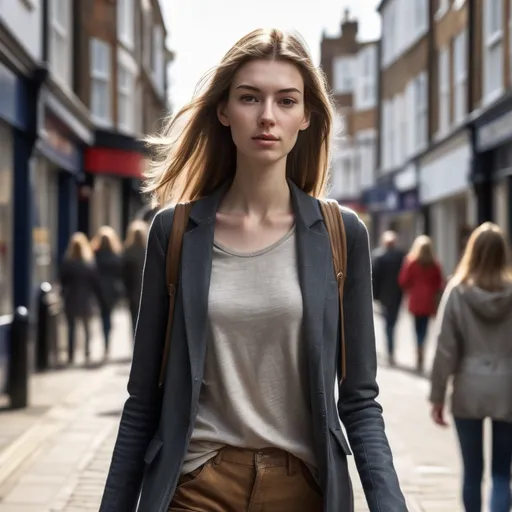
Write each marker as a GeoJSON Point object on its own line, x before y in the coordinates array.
{"type": "Point", "coordinates": [107, 252]}
{"type": "Point", "coordinates": [80, 288]}
{"type": "Point", "coordinates": [421, 279]}
{"type": "Point", "coordinates": [247, 418]}
{"type": "Point", "coordinates": [475, 349]}
{"type": "Point", "coordinates": [133, 264]}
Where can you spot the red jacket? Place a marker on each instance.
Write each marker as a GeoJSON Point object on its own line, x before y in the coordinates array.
{"type": "Point", "coordinates": [422, 285]}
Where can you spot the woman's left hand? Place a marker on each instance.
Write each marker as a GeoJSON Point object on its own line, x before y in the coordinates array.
{"type": "Point", "coordinates": [437, 414]}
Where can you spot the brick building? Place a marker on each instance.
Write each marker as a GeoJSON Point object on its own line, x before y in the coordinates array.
{"type": "Point", "coordinates": [122, 81]}
{"type": "Point", "coordinates": [350, 68]}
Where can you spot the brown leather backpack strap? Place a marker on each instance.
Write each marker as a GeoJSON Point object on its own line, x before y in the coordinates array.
{"type": "Point", "coordinates": [179, 225]}
{"type": "Point", "coordinates": [336, 230]}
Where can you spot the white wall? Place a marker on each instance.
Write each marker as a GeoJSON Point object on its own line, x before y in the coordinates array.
{"type": "Point", "coordinates": [25, 23]}
{"type": "Point", "coordinates": [445, 172]}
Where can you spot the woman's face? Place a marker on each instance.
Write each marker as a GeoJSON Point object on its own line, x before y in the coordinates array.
{"type": "Point", "coordinates": [265, 110]}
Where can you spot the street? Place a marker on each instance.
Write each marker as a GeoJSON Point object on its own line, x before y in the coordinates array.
{"type": "Point", "coordinates": [54, 456]}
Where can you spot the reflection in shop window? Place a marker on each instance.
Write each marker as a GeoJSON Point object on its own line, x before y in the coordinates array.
{"type": "Point", "coordinates": [5, 221]}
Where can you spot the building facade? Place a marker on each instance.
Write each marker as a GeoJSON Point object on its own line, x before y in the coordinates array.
{"type": "Point", "coordinates": [404, 82]}
{"type": "Point", "coordinates": [81, 81]}
{"type": "Point", "coordinates": [350, 68]}
{"type": "Point", "coordinates": [123, 83]}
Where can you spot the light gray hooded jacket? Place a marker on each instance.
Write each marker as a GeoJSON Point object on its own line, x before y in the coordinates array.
{"type": "Point", "coordinates": [475, 347]}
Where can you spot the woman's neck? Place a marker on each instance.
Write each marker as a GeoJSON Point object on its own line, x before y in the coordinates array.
{"type": "Point", "coordinates": [258, 192]}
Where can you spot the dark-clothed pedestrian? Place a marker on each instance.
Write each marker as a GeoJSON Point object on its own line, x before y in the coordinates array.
{"type": "Point", "coordinates": [107, 252]}
{"type": "Point", "coordinates": [475, 351]}
{"type": "Point", "coordinates": [81, 290]}
{"type": "Point", "coordinates": [387, 262]}
{"type": "Point", "coordinates": [422, 280]}
{"type": "Point", "coordinates": [246, 418]}
{"type": "Point", "coordinates": [133, 265]}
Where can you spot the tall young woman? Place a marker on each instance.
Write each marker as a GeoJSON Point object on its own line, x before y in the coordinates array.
{"type": "Point", "coordinates": [474, 348]}
{"type": "Point", "coordinates": [247, 419]}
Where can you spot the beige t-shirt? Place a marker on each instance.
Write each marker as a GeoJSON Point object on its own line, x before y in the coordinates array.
{"type": "Point", "coordinates": [255, 392]}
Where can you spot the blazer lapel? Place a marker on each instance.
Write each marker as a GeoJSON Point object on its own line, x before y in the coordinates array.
{"type": "Point", "coordinates": [196, 269]}
{"type": "Point", "coordinates": [313, 248]}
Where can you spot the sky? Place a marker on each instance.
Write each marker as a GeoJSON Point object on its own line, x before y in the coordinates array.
{"type": "Point", "coordinates": [201, 31]}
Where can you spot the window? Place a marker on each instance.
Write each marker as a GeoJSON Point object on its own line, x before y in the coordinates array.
{"type": "Point", "coordinates": [343, 75]}
{"type": "Point", "coordinates": [420, 101]}
{"type": "Point", "coordinates": [60, 40]}
{"type": "Point", "coordinates": [444, 90]}
{"type": "Point", "coordinates": [101, 108]}
{"type": "Point", "coordinates": [460, 74]}
{"type": "Point", "coordinates": [365, 78]}
{"type": "Point", "coordinates": [6, 219]}
{"type": "Point", "coordinates": [387, 135]}
{"type": "Point", "coordinates": [126, 22]}
{"type": "Point", "coordinates": [147, 27]}
{"type": "Point", "coordinates": [125, 97]}
{"type": "Point", "coordinates": [493, 49]}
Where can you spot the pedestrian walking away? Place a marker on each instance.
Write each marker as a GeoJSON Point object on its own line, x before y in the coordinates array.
{"type": "Point", "coordinates": [107, 251]}
{"type": "Point", "coordinates": [256, 300]}
{"type": "Point", "coordinates": [386, 264]}
{"type": "Point", "coordinates": [474, 349]}
{"type": "Point", "coordinates": [422, 280]}
{"type": "Point", "coordinates": [81, 290]}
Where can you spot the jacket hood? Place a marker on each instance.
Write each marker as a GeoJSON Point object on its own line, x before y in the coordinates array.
{"type": "Point", "coordinates": [489, 305]}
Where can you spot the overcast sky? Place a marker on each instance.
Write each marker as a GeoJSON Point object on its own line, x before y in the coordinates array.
{"type": "Point", "coordinates": [201, 31]}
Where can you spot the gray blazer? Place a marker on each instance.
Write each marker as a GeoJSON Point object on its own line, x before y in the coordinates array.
{"type": "Point", "coordinates": [156, 426]}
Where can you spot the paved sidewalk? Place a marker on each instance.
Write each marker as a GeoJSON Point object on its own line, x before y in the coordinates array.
{"type": "Point", "coordinates": [43, 447]}
{"type": "Point", "coordinates": [70, 450]}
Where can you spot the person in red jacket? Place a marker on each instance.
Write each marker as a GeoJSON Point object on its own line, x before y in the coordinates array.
{"type": "Point", "coordinates": [421, 279]}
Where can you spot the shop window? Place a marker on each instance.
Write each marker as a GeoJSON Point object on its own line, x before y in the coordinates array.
{"type": "Point", "coordinates": [6, 219]}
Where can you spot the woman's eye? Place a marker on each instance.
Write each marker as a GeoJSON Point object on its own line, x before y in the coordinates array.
{"type": "Point", "coordinates": [288, 102]}
{"type": "Point", "coordinates": [248, 98]}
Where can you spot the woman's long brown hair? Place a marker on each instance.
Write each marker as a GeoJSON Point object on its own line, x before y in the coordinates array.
{"type": "Point", "coordinates": [195, 153]}
{"type": "Point", "coordinates": [486, 259]}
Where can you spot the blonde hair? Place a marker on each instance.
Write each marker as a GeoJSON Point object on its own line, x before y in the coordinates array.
{"type": "Point", "coordinates": [137, 234]}
{"type": "Point", "coordinates": [79, 249]}
{"type": "Point", "coordinates": [422, 251]}
{"type": "Point", "coordinates": [485, 262]}
{"type": "Point", "coordinates": [106, 239]}
{"type": "Point", "coordinates": [195, 153]}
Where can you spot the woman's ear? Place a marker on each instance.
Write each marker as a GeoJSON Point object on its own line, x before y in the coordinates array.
{"type": "Point", "coordinates": [306, 121]}
{"type": "Point", "coordinates": [222, 115]}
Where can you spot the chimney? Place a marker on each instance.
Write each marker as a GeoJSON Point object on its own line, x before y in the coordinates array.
{"type": "Point", "coordinates": [348, 27]}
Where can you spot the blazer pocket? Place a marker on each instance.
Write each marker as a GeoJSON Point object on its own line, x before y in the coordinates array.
{"type": "Point", "coordinates": [342, 441]}
{"type": "Point", "coordinates": [153, 449]}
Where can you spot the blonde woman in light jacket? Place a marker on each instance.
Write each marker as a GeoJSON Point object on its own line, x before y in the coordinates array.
{"type": "Point", "coordinates": [475, 348]}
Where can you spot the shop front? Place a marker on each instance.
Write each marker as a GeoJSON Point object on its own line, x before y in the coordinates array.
{"type": "Point", "coordinates": [57, 174]}
{"type": "Point", "coordinates": [445, 192]}
{"type": "Point", "coordinates": [394, 205]}
{"type": "Point", "coordinates": [110, 195]}
{"type": "Point", "coordinates": [18, 107]}
{"type": "Point", "coordinates": [491, 174]}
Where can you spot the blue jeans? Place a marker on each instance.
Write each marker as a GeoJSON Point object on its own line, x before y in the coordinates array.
{"type": "Point", "coordinates": [421, 326]}
{"type": "Point", "coordinates": [72, 321]}
{"type": "Point", "coordinates": [470, 433]}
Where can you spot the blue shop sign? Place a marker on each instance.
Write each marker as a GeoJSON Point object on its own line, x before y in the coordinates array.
{"type": "Point", "coordinates": [386, 198]}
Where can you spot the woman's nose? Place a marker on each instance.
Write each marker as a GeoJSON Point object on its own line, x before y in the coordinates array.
{"type": "Point", "coordinates": [267, 116]}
